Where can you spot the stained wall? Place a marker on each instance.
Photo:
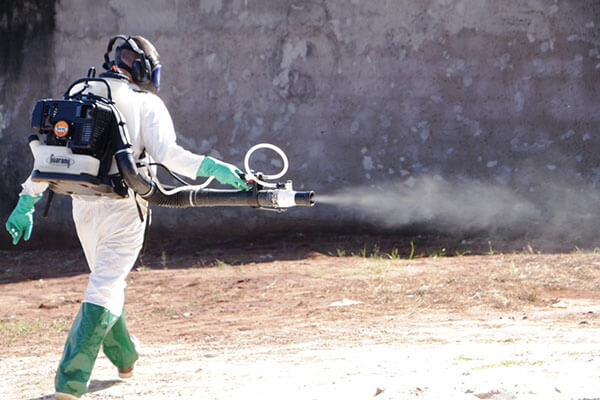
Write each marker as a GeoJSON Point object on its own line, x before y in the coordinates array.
{"type": "Point", "coordinates": [357, 93]}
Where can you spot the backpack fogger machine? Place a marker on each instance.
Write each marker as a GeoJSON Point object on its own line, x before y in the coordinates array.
{"type": "Point", "coordinates": [81, 136]}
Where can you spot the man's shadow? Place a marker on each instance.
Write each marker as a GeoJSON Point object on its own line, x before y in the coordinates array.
{"type": "Point", "coordinates": [95, 386]}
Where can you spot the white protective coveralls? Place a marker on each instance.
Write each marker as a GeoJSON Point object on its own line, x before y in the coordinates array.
{"type": "Point", "coordinates": [110, 230]}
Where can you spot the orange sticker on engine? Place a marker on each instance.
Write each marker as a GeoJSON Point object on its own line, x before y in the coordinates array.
{"type": "Point", "coordinates": [61, 128]}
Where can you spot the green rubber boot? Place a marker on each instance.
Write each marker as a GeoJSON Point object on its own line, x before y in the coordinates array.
{"type": "Point", "coordinates": [81, 349]}
{"type": "Point", "coordinates": [120, 347]}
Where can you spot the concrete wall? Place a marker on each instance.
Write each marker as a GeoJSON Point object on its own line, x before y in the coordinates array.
{"type": "Point", "coordinates": [356, 92]}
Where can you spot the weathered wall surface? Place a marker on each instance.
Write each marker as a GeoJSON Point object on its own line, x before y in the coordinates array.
{"type": "Point", "coordinates": [357, 93]}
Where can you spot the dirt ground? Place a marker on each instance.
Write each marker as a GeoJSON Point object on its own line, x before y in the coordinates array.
{"type": "Point", "coordinates": [303, 317]}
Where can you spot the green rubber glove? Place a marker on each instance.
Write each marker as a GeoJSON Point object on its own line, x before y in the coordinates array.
{"type": "Point", "coordinates": [21, 219]}
{"type": "Point", "coordinates": [226, 174]}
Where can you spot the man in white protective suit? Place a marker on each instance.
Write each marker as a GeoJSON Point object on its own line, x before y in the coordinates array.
{"type": "Point", "coordinates": [111, 230]}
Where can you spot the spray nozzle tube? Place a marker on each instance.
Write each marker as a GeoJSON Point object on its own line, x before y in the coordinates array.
{"type": "Point", "coordinates": [264, 199]}
{"type": "Point", "coordinates": [263, 195]}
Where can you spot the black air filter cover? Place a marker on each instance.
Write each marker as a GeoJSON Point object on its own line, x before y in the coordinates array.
{"type": "Point", "coordinates": [82, 125]}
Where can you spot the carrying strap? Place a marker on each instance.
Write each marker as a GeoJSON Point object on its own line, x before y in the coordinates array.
{"type": "Point", "coordinates": [146, 231]}
{"type": "Point", "coordinates": [48, 203]}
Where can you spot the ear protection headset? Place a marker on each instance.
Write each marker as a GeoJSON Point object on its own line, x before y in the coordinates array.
{"type": "Point", "coordinates": [143, 68]}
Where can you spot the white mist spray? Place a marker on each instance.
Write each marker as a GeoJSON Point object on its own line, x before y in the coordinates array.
{"type": "Point", "coordinates": [461, 206]}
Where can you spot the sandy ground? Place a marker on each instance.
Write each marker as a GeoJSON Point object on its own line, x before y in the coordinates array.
{"type": "Point", "coordinates": [314, 324]}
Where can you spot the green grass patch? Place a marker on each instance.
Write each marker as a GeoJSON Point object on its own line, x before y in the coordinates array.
{"type": "Point", "coordinates": [579, 354]}
{"type": "Point", "coordinates": [317, 273]}
{"type": "Point", "coordinates": [13, 330]}
{"type": "Point", "coordinates": [509, 363]}
{"type": "Point", "coordinates": [221, 264]}
{"type": "Point", "coordinates": [412, 250]}
{"type": "Point", "coordinates": [462, 357]}
{"type": "Point", "coordinates": [437, 253]}
{"type": "Point", "coordinates": [395, 254]}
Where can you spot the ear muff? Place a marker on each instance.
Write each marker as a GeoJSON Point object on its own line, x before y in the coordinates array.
{"type": "Point", "coordinates": [141, 68]}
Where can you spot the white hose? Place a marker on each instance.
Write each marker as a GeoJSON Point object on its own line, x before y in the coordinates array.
{"type": "Point", "coordinates": [251, 176]}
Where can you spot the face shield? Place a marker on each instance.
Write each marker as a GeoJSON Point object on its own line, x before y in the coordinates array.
{"type": "Point", "coordinates": [152, 81]}
{"type": "Point", "coordinates": [156, 76]}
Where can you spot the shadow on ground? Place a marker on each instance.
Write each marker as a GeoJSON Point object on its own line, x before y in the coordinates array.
{"type": "Point", "coordinates": [28, 263]}
{"type": "Point", "coordinates": [95, 386]}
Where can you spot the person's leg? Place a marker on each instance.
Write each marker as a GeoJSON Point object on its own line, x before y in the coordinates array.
{"type": "Point", "coordinates": [111, 235]}
{"type": "Point", "coordinates": [82, 347]}
{"type": "Point", "coordinates": [79, 352]}
{"type": "Point", "coordinates": [85, 218]}
{"type": "Point", "coordinates": [120, 348]}
{"type": "Point", "coordinates": [121, 235]}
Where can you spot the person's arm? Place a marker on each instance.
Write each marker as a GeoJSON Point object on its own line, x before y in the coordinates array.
{"type": "Point", "coordinates": [20, 221]}
{"type": "Point", "coordinates": [160, 142]}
